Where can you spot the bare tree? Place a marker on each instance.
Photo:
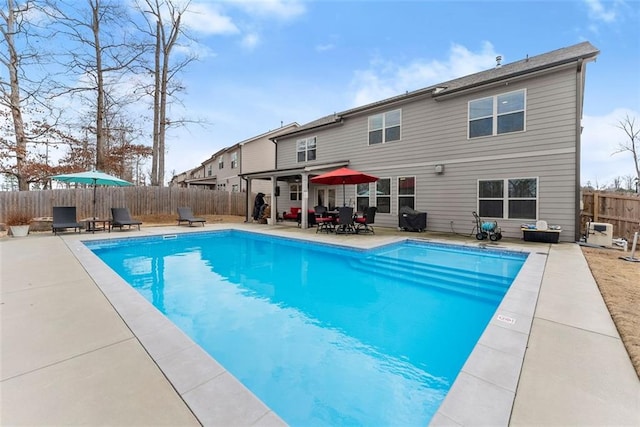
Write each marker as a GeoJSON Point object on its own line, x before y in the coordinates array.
{"type": "Point", "coordinates": [164, 26]}
{"type": "Point", "coordinates": [28, 124]}
{"type": "Point", "coordinates": [103, 53]}
{"type": "Point", "coordinates": [11, 93]}
{"type": "Point", "coordinates": [628, 125]}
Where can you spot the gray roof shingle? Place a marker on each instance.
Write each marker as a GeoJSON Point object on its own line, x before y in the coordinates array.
{"type": "Point", "coordinates": [565, 55]}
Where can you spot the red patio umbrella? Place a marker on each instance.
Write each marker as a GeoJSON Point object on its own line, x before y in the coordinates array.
{"type": "Point", "coordinates": [343, 176]}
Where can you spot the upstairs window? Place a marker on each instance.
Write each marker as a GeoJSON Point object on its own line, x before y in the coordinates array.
{"type": "Point", "coordinates": [306, 149]}
{"type": "Point", "coordinates": [384, 127]}
{"type": "Point", "coordinates": [513, 198]}
{"type": "Point", "coordinates": [234, 160]}
{"type": "Point", "coordinates": [209, 170]}
{"type": "Point", "coordinates": [221, 162]}
{"type": "Point", "coordinates": [497, 115]}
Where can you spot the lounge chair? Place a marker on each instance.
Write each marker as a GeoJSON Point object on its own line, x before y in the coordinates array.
{"type": "Point", "coordinates": [121, 217]}
{"type": "Point", "coordinates": [363, 223]}
{"type": "Point", "coordinates": [186, 215]}
{"type": "Point", "coordinates": [65, 217]}
{"type": "Point", "coordinates": [345, 221]}
{"type": "Point", "coordinates": [292, 215]}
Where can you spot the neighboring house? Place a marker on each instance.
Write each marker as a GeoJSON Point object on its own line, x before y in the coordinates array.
{"type": "Point", "coordinates": [222, 171]}
{"type": "Point", "coordinates": [201, 176]}
{"type": "Point", "coordinates": [504, 142]}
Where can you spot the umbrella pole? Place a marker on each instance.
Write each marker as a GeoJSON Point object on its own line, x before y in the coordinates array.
{"type": "Point", "coordinates": [94, 199]}
{"type": "Point", "coordinates": [344, 195]}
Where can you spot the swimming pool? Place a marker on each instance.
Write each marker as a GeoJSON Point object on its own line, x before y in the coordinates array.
{"type": "Point", "coordinates": [343, 336]}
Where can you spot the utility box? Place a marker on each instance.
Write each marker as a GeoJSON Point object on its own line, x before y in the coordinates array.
{"type": "Point", "coordinates": [600, 234]}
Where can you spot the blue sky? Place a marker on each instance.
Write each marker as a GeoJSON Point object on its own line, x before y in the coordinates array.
{"type": "Point", "coordinates": [272, 61]}
{"type": "Point", "coordinates": [267, 62]}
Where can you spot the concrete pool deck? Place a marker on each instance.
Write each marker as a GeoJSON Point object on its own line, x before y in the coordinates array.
{"type": "Point", "coordinates": [79, 348]}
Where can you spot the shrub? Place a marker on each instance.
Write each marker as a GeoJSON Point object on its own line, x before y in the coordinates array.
{"type": "Point", "coordinates": [18, 218]}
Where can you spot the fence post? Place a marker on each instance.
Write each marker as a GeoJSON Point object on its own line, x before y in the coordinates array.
{"type": "Point", "coordinates": [596, 206]}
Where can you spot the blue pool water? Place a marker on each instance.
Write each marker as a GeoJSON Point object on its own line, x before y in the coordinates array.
{"type": "Point", "coordinates": [322, 334]}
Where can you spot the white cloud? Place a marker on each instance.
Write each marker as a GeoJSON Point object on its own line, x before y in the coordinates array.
{"type": "Point", "coordinates": [385, 79]}
{"type": "Point", "coordinates": [250, 41]}
{"type": "Point", "coordinates": [206, 20]}
{"type": "Point", "coordinates": [325, 47]}
{"type": "Point", "coordinates": [600, 139]}
{"type": "Point", "coordinates": [598, 12]}
{"type": "Point", "coordinates": [278, 9]}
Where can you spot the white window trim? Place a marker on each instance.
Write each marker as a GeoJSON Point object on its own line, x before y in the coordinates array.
{"type": "Point", "coordinates": [415, 192]}
{"type": "Point", "coordinates": [505, 198]}
{"type": "Point", "coordinates": [384, 127]}
{"type": "Point", "coordinates": [234, 160]}
{"type": "Point", "coordinates": [295, 188]}
{"type": "Point", "coordinates": [495, 115]}
{"type": "Point", "coordinates": [306, 149]}
{"type": "Point", "coordinates": [390, 195]}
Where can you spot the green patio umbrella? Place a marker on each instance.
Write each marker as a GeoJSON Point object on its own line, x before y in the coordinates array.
{"type": "Point", "coordinates": [93, 178]}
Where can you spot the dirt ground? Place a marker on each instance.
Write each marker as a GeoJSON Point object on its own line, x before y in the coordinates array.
{"type": "Point", "coordinates": [619, 283]}
{"type": "Point", "coordinates": [618, 280]}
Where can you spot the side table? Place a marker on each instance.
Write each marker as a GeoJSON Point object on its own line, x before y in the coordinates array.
{"type": "Point", "coordinates": [97, 224]}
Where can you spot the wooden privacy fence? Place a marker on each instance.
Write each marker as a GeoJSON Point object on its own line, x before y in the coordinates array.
{"type": "Point", "coordinates": [620, 210]}
{"type": "Point", "coordinates": [139, 200]}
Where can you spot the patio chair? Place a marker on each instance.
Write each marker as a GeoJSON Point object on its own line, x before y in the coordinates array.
{"type": "Point", "coordinates": [363, 223]}
{"type": "Point", "coordinates": [65, 217]}
{"type": "Point", "coordinates": [186, 215]}
{"type": "Point", "coordinates": [321, 211]}
{"type": "Point", "coordinates": [121, 217]}
{"type": "Point", "coordinates": [345, 221]}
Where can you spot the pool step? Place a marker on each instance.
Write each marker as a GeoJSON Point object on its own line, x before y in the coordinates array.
{"type": "Point", "coordinates": [490, 279]}
{"type": "Point", "coordinates": [452, 280]}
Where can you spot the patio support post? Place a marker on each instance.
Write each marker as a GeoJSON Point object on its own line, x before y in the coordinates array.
{"type": "Point", "coordinates": [304, 217]}
{"type": "Point", "coordinates": [274, 208]}
{"type": "Point", "coordinates": [249, 209]}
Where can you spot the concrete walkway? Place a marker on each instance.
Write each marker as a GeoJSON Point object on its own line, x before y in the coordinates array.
{"type": "Point", "coordinates": [68, 357]}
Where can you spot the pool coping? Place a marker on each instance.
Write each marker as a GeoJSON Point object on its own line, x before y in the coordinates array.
{"type": "Point", "coordinates": [483, 393]}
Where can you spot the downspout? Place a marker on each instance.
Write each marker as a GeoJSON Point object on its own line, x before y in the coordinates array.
{"type": "Point", "coordinates": [246, 209]}
{"type": "Point", "coordinates": [581, 69]}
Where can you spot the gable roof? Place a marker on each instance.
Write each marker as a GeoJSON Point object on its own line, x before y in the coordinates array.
{"type": "Point", "coordinates": [565, 55]}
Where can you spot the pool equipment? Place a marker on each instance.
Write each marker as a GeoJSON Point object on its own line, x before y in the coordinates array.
{"type": "Point", "coordinates": [486, 229]}
{"type": "Point", "coordinates": [600, 234]}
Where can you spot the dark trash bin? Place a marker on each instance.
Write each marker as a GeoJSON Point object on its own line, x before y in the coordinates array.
{"type": "Point", "coordinates": [411, 220]}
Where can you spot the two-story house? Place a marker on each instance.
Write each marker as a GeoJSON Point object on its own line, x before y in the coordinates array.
{"type": "Point", "coordinates": [504, 142]}
{"type": "Point", "coordinates": [222, 171]}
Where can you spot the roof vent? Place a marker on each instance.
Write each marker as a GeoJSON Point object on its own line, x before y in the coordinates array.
{"type": "Point", "coordinates": [498, 60]}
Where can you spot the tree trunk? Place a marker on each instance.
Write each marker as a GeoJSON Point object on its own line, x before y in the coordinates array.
{"type": "Point", "coordinates": [163, 119]}
{"type": "Point", "coordinates": [14, 100]}
{"type": "Point", "coordinates": [100, 105]}
{"type": "Point", "coordinates": [156, 109]}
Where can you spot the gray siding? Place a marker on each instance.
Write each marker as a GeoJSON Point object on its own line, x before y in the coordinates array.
{"type": "Point", "coordinates": [435, 132]}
